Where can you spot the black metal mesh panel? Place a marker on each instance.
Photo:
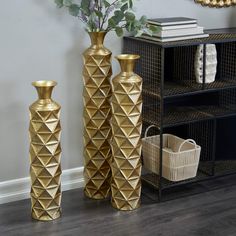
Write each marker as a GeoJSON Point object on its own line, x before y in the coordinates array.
{"type": "Point", "coordinates": [151, 110]}
{"type": "Point", "coordinates": [179, 71]}
{"type": "Point", "coordinates": [149, 64]}
{"type": "Point", "coordinates": [183, 70]}
{"type": "Point", "coordinates": [228, 99]}
{"type": "Point", "coordinates": [228, 61]}
{"type": "Point", "coordinates": [226, 69]}
{"type": "Point", "coordinates": [203, 134]}
{"type": "Point", "coordinates": [224, 104]}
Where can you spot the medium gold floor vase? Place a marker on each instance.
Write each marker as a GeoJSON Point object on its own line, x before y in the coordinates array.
{"type": "Point", "coordinates": [97, 113]}
{"type": "Point", "coordinates": [126, 132]}
{"type": "Point", "coordinates": [45, 154]}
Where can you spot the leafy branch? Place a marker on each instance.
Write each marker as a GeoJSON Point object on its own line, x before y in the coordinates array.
{"type": "Point", "coordinates": [105, 15]}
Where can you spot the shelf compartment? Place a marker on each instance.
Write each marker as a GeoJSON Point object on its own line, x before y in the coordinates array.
{"type": "Point", "coordinates": [175, 67]}
{"type": "Point", "coordinates": [197, 107]}
{"type": "Point", "coordinates": [175, 116]}
{"type": "Point", "coordinates": [153, 180]}
{"type": "Point", "coordinates": [222, 83]}
{"type": "Point", "coordinates": [225, 141]}
{"type": "Point", "coordinates": [221, 168]}
{"type": "Point", "coordinates": [203, 132]}
{"type": "Point", "coordinates": [174, 89]}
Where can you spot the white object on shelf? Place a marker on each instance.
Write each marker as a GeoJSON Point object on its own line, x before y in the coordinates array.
{"type": "Point", "coordinates": [180, 157]}
{"type": "Point", "coordinates": [211, 63]}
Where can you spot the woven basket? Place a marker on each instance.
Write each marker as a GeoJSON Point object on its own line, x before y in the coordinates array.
{"type": "Point", "coordinates": [180, 157]}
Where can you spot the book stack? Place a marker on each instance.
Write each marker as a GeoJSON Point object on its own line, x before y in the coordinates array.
{"type": "Point", "coordinates": [175, 29]}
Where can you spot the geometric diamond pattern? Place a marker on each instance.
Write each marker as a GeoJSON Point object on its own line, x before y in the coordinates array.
{"type": "Point", "coordinates": [97, 113]}
{"type": "Point", "coordinates": [216, 3]}
{"type": "Point", "coordinates": [126, 144]}
{"type": "Point", "coordinates": [45, 157]}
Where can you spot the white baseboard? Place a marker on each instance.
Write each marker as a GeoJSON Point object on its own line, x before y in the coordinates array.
{"type": "Point", "coordinates": [19, 189]}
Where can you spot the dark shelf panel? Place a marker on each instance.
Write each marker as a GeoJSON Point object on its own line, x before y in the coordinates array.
{"type": "Point", "coordinates": [221, 168]}
{"type": "Point", "coordinates": [218, 111]}
{"type": "Point", "coordinates": [174, 89]}
{"type": "Point", "coordinates": [153, 180]}
{"type": "Point", "coordinates": [177, 116]}
{"type": "Point", "coordinates": [184, 115]}
{"type": "Point", "coordinates": [223, 83]}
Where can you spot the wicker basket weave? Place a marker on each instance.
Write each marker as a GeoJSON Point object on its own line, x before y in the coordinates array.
{"type": "Point", "coordinates": [180, 157]}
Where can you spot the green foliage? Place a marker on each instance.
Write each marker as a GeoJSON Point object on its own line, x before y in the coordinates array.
{"type": "Point", "coordinates": [59, 3]}
{"type": "Point", "coordinates": [74, 9]}
{"type": "Point", "coordinates": [108, 15]}
{"type": "Point", "coordinates": [67, 3]}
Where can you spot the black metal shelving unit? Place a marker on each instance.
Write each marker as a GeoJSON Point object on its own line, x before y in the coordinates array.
{"type": "Point", "coordinates": [175, 103]}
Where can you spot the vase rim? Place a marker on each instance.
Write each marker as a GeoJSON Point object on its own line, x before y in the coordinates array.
{"type": "Point", "coordinates": [44, 83]}
{"type": "Point", "coordinates": [127, 57]}
{"type": "Point", "coordinates": [102, 31]}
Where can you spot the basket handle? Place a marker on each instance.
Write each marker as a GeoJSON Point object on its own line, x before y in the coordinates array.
{"type": "Point", "coordinates": [148, 128]}
{"type": "Point", "coordinates": [185, 141]}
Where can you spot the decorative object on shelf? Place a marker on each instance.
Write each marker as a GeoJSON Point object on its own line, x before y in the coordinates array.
{"type": "Point", "coordinates": [180, 157]}
{"type": "Point", "coordinates": [175, 29]}
{"type": "Point", "coordinates": [99, 18]}
{"type": "Point", "coordinates": [217, 3]}
{"type": "Point", "coordinates": [97, 113]}
{"type": "Point", "coordinates": [211, 63]}
{"type": "Point", "coordinates": [126, 131]}
{"type": "Point", "coordinates": [45, 154]}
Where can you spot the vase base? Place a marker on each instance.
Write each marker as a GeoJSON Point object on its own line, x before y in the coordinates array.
{"type": "Point", "coordinates": [126, 207]}
{"type": "Point", "coordinates": [46, 216]}
{"type": "Point", "coordinates": [97, 196]}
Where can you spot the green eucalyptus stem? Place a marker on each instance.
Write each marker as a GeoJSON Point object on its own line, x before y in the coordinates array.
{"type": "Point", "coordinates": [106, 12]}
{"type": "Point", "coordinates": [118, 15]}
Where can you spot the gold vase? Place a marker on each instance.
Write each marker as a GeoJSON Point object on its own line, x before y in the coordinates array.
{"type": "Point", "coordinates": [97, 113]}
{"type": "Point", "coordinates": [45, 154]}
{"type": "Point", "coordinates": [126, 125]}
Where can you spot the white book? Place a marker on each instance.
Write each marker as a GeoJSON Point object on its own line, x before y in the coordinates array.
{"type": "Point", "coordinates": [172, 39]}
{"type": "Point", "coordinates": [172, 21]}
{"type": "Point", "coordinates": [171, 27]}
{"type": "Point", "coordinates": [179, 32]}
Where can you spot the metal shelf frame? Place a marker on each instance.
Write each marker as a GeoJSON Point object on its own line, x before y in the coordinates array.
{"type": "Point", "coordinates": [166, 77]}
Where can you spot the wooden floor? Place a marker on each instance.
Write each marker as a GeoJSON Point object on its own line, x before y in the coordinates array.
{"type": "Point", "coordinates": [210, 213]}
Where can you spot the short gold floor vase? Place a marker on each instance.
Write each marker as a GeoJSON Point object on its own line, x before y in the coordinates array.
{"type": "Point", "coordinates": [126, 132]}
{"type": "Point", "coordinates": [97, 113]}
{"type": "Point", "coordinates": [45, 154]}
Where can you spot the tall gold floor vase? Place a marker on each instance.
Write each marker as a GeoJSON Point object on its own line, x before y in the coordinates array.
{"type": "Point", "coordinates": [126, 132]}
{"type": "Point", "coordinates": [97, 113]}
{"type": "Point", "coordinates": [45, 154]}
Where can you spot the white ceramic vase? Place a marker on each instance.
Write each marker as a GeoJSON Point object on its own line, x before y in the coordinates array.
{"type": "Point", "coordinates": [211, 63]}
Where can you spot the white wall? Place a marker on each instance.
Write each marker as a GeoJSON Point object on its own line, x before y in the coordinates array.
{"type": "Point", "coordinates": [38, 41]}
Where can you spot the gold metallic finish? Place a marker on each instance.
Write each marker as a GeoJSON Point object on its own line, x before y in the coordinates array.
{"type": "Point", "coordinates": [126, 125]}
{"type": "Point", "coordinates": [45, 154]}
{"type": "Point", "coordinates": [217, 3]}
{"type": "Point", "coordinates": [97, 113]}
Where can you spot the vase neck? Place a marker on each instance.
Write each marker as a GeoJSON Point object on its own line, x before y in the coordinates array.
{"type": "Point", "coordinates": [127, 62]}
{"type": "Point", "coordinates": [97, 38]}
{"type": "Point", "coordinates": [44, 88]}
